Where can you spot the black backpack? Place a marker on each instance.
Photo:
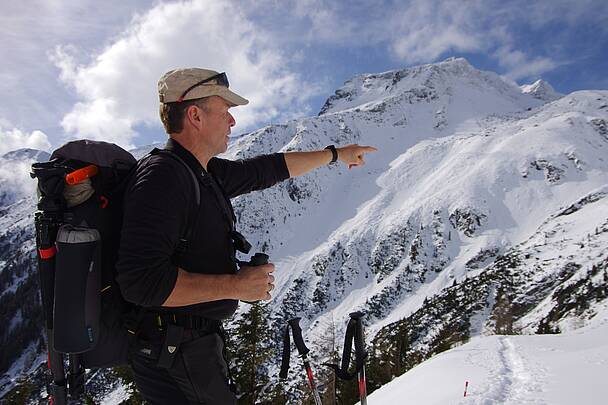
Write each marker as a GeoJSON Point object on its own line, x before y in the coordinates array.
{"type": "Point", "coordinates": [78, 222]}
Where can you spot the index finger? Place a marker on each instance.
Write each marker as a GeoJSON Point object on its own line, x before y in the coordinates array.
{"type": "Point", "coordinates": [369, 149]}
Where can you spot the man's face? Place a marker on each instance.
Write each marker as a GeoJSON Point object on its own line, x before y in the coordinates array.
{"type": "Point", "coordinates": [216, 125]}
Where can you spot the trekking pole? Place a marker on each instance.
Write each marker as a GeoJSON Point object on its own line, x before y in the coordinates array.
{"type": "Point", "coordinates": [76, 376]}
{"type": "Point", "coordinates": [294, 324]}
{"type": "Point", "coordinates": [354, 332]}
{"type": "Point", "coordinates": [360, 355]}
{"type": "Point", "coordinates": [47, 220]}
{"type": "Point", "coordinates": [46, 232]}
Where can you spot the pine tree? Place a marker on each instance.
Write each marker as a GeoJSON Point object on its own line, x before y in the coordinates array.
{"type": "Point", "coordinates": [328, 351]}
{"type": "Point", "coordinates": [252, 348]}
{"type": "Point", "coordinates": [502, 313]}
{"type": "Point", "coordinates": [125, 374]}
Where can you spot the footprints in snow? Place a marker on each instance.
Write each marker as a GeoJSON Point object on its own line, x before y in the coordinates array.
{"type": "Point", "coordinates": [512, 379]}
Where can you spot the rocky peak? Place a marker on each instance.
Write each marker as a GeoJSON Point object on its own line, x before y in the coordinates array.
{"type": "Point", "coordinates": [26, 154]}
{"type": "Point", "coordinates": [541, 90]}
{"type": "Point", "coordinates": [441, 77]}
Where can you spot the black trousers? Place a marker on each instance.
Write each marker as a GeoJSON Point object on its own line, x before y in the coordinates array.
{"type": "Point", "coordinates": [198, 375]}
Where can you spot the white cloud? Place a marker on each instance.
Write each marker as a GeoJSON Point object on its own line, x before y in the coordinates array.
{"type": "Point", "coordinates": [413, 31]}
{"type": "Point", "coordinates": [425, 30]}
{"type": "Point", "coordinates": [422, 31]}
{"type": "Point", "coordinates": [15, 181]}
{"type": "Point", "coordinates": [520, 65]}
{"type": "Point", "coordinates": [118, 88]}
{"type": "Point", "coordinates": [14, 138]}
{"type": "Point", "coordinates": [28, 30]}
{"type": "Point", "coordinates": [327, 21]}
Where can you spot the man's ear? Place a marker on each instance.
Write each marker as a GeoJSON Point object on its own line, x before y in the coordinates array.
{"type": "Point", "coordinates": [194, 116]}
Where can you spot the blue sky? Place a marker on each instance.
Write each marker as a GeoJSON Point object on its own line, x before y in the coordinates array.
{"type": "Point", "coordinates": [89, 68]}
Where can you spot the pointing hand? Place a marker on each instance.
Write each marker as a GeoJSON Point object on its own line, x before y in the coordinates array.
{"type": "Point", "coordinates": [352, 155]}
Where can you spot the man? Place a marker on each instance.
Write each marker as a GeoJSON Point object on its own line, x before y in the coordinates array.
{"type": "Point", "coordinates": [177, 253]}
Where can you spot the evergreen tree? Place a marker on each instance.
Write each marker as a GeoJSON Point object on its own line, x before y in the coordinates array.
{"type": "Point", "coordinates": [502, 313]}
{"type": "Point", "coordinates": [328, 352]}
{"type": "Point", "coordinates": [125, 374]}
{"type": "Point", "coordinates": [277, 395]}
{"type": "Point", "coordinates": [252, 348]}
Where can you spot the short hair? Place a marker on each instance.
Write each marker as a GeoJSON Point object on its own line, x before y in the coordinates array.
{"type": "Point", "coordinates": [172, 114]}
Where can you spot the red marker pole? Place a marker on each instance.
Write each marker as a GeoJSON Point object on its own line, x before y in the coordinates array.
{"type": "Point", "coordinates": [466, 385]}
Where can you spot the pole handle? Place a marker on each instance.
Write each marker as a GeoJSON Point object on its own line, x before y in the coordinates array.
{"type": "Point", "coordinates": [297, 336]}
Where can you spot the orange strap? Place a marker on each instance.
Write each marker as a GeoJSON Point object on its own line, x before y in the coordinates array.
{"type": "Point", "coordinates": [47, 253]}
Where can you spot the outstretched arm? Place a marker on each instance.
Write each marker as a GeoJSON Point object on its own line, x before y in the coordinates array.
{"type": "Point", "coordinates": [299, 163]}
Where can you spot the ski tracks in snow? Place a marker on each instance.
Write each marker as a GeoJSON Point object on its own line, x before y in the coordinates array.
{"type": "Point", "coordinates": [513, 379]}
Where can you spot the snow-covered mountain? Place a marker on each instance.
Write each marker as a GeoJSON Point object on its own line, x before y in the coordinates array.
{"type": "Point", "coordinates": [541, 90]}
{"type": "Point", "coordinates": [484, 211]}
{"type": "Point", "coordinates": [468, 167]}
{"type": "Point", "coordinates": [481, 199]}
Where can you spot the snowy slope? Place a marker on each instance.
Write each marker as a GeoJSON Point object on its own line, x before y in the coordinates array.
{"type": "Point", "coordinates": [544, 369]}
{"type": "Point", "coordinates": [519, 173]}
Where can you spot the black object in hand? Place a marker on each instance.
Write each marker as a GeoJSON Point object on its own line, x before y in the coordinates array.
{"type": "Point", "coordinates": [258, 259]}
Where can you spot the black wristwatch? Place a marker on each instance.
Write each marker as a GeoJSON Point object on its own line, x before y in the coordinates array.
{"type": "Point", "coordinates": [334, 153]}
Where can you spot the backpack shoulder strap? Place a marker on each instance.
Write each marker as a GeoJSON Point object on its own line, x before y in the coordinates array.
{"type": "Point", "coordinates": [174, 155]}
{"type": "Point", "coordinates": [197, 191]}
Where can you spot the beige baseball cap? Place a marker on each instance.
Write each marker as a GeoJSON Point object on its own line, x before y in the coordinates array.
{"type": "Point", "coordinates": [191, 83]}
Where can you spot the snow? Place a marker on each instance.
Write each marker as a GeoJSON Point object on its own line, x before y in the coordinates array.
{"type": "Point", "coordinates": [542, 90]}
{"type": "Point", "coordinates": [27, 363]}
{"type": "Point", "coordinates": [118, 395]}
{"type": "Point", "coordinates": [543, 369]}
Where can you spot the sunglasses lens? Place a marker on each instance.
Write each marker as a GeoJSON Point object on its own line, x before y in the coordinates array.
{"type": "Point", "coordinates": [222, 80]}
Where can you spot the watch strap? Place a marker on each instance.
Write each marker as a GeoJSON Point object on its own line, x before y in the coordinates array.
{"type": "Point", "coordinates": [334, 153]}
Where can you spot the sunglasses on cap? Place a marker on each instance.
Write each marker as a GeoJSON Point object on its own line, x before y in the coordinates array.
{"type": "Point", "coordinates": [220, 79]}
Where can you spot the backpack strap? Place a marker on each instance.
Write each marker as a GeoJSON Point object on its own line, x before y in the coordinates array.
{"type": "Point", "coordinates": [183, 242]}
{"type": "Point", "coordinates": [303, 350]}
{"type": "Point", "coordinates": [213, 184]}
{"type": "Point", "coordinates": [354, 332]}
{"type": "Point", "coordinates": [167, 152]}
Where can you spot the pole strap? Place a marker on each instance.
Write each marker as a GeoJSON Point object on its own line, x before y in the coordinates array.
{"type": "Point", "coordinates": [296, 330]}
{"type": "Point", "coordinates": [354, 332]}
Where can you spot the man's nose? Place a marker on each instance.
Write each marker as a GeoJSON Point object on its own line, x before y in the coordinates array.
{"type": "Point", "coordinates": [232, 120]}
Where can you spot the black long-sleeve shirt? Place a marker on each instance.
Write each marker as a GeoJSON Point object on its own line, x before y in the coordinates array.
{"type": "Point", "coordinates": [159, 208]}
